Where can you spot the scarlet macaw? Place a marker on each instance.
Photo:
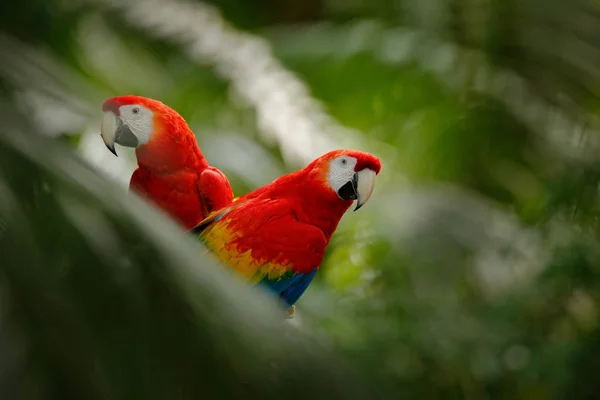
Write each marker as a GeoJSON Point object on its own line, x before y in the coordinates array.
{"type": "Point", "coordinates": [276, 235]}
{"type": "Point", "coordinates": [172, 171]}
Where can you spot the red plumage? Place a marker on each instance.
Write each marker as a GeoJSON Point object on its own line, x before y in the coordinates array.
{"type": "Point", "coordinates": [172, 171]}
{"type": "Point", "coordinates": [277, 234]}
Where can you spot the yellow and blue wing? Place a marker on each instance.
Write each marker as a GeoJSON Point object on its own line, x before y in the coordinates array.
{"type": "Point", "coordinates": [265, 244]}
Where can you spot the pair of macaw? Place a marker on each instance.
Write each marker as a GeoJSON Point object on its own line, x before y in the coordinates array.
{"type": "Point", "coordinates": [274, 236]}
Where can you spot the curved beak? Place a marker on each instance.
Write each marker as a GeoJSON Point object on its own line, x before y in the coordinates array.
{"type": "Point", "coordinates": [113, 130]}
{"type": "Point", "coordinates": [108, 130]}
{"type": "Point", "coordinates": [359, 188]}
{"type": "Point", "coordinates": [365, 180]}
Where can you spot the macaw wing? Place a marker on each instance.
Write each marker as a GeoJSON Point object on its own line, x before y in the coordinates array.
{"type": "Point", "coordinates": [264, 242]}
{"type": "Point", "coordinates": [215, 190]}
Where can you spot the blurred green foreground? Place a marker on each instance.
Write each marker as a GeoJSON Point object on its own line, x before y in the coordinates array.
{"type": "Point", "coordinates": [472, 273]}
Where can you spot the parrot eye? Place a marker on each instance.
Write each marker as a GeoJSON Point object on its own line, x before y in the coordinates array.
{"type": "Point", "coordinates": [344, 161]}
{"type": "Point", "coordinates": [135, 110]}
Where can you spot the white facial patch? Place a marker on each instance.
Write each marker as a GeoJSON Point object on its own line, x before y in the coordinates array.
{"type": "Point", "coordinates": [341, 171]}
{"type": "Point", "coordinates": [139, 121]}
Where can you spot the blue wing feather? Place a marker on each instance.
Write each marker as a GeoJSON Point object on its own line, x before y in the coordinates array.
{"type": "Point", "coordinates": [216, 216]}
{"type": "Point", "coordinates": [289, 290]}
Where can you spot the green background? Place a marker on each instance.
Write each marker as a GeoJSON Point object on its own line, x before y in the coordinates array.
{"type": "Point", "coordinates": [472, 273]}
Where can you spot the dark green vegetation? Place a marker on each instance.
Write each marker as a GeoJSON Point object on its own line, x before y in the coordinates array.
{"type": "Point", "coordinates": [473, 272]}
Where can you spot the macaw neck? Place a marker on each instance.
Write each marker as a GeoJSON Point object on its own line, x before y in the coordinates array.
{"type": "Point", "coordinates": [317, 204]}
{"type": "Point", "coordinates": [324, 212]}
{"type": "Point", "coordinates": [169, 152]}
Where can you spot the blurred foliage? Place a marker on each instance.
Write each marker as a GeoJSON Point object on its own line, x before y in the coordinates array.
{"type": "Point", "coordinates": [100, 303]}
{"type": "Point", "coordinates": [474, 272]}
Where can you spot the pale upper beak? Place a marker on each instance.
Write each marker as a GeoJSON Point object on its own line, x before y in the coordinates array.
{"type": "Point", "coordinates": [365, 183]}
{"type": "Point", "coordinates": [359, 188]}
{"type": "Point", "coordinates": [108, 130]}
{"type": "Point", "coordinates": [113, 130]}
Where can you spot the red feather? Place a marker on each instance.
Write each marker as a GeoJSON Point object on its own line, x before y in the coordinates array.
{"type": "Point", "coordinates": [284, 226]}
{"type": "Point", "coordinates": [172, 171]}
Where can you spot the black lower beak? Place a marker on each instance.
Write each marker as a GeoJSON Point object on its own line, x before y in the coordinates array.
{"type": "Point", "coordinates": [348, 191]}
{"type": "Point", "coordinates": [124, 136]}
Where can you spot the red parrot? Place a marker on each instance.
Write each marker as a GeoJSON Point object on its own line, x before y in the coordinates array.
{"type": "Point", "coordinates": [276, 235]}
{"type": "Point", "coordinates": [172, 172]}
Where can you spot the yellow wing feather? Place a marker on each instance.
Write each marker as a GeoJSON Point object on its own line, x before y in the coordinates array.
{"type": "Point", "coordinates": [219, 238]}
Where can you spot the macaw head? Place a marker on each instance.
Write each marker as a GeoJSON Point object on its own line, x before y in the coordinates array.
{"type": "Point", "coordinates": [350, 174]}
{"type": "Point", "coordinates": [132, 121]}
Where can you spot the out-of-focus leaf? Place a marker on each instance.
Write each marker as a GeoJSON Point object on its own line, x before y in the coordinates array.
{"type": "Point", "coordinates": [72, 140]}
{"type": "Point", "coordinates": [473, 270]}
